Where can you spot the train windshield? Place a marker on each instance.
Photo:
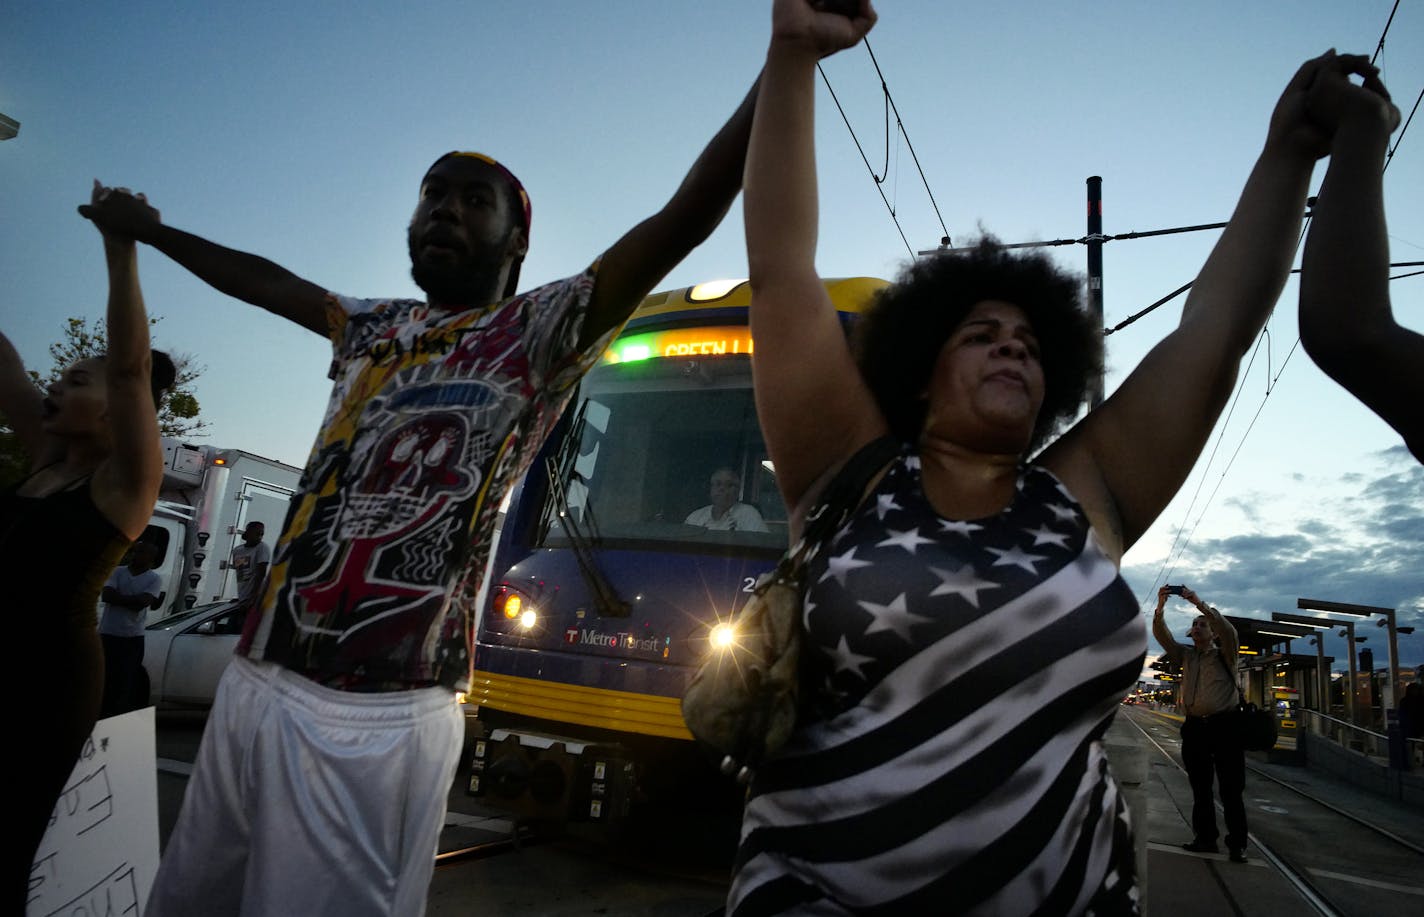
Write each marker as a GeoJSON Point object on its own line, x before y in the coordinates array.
{"type": "Point", "coordinates": [664, 452]}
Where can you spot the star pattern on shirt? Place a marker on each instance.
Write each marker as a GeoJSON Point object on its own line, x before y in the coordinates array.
{"type": "Point", "coordinates": [919, 577]}
{"type": "Point", "coordinates": [847, 660]}
{"type": "Point", "coordinates": [962, 582]}
{"type": "Point", "coordinates": [839, 565]}
{"type": "Point", "coordinates": [1045, 535]}
{"type": "Point", "coordinates": [896, 617]}
{"type": "Point", "coordinates": [959, 527]}
{"type": "Point", "coordinates": [1017, 557]}
{"type": "Point", "coordinates": [909, 539]}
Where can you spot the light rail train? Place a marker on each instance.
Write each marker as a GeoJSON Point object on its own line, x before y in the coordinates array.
{"type": "Point", "coordinates": [601, 593]}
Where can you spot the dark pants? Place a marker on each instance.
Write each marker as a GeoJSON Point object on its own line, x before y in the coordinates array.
{"type": "Point", "coordinates": [1211, 745]}
{"type": "Point", "coordinates": [123, 662]}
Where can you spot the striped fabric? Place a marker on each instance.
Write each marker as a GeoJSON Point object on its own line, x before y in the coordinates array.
{"type": "Point", "coordinates": [964, 673]}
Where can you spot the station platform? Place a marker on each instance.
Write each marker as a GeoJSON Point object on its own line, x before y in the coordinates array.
{"type": "Point", "coordinates": [1184, 884]}
{"type": "Point", "coordinates": [1172, 881]}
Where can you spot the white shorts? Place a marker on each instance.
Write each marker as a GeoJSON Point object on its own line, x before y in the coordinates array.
{"type": "Point", "coordinates": [308, 800]}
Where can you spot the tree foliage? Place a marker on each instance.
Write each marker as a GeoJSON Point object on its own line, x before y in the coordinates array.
{"type": "Point", "coordinates": [82, 338]}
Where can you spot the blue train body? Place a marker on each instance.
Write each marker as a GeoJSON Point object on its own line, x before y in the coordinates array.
{"type": "Point", "coordinates": [600, 593]}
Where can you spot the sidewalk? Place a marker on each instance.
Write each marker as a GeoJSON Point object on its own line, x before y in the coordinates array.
{"type": "Point", "coordinates": [1173, 881]}
{"type": "Point", "coordinates": [1402, 818]}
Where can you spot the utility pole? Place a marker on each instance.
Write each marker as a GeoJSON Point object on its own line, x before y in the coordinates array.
{"type": "Point", "coordinates": [1095, 239]}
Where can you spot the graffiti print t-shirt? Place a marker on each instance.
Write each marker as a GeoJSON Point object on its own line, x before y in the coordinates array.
{"type": "Point", "coordinates": [433, 415]}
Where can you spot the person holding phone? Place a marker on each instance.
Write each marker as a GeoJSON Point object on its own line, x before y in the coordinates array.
{"type": "Point", "coordinates": [1211, 743]}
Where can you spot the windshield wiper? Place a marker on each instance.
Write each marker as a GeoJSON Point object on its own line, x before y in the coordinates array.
{"type": "Point", "coordinates": [606, 600]}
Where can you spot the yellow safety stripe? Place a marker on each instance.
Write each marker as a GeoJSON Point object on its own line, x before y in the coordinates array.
{"type": "Point", "coordinates": [623, 711]}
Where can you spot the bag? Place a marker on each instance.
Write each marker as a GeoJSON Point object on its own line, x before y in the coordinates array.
{"type": "Point", "coordinates": [743, 700]}
{"type": "Point", "coordinates": [1255, 728]}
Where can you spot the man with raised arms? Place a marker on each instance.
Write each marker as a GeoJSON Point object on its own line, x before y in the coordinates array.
{"type": "Point", "coordinates": [321, 782]}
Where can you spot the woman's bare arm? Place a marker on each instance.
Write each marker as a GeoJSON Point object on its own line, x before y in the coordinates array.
{"type": "Point", "coordinates": [814, 408]}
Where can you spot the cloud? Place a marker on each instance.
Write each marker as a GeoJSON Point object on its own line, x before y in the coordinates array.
{"type": "Point", "coordinates": [1361, 542]}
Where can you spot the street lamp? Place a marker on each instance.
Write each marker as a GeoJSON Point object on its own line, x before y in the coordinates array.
{"type": "Point", "coordinates": [9, 127]}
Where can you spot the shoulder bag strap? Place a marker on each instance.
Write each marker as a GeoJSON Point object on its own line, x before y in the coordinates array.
{"type": "Point", "coordinates": [1240, 698]}
{"type": "Point", "coordinates": [845, 492]}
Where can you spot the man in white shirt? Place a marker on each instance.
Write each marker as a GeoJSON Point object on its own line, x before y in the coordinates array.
{"type": "Point", "coordinates": [249, 562]}
{"type": "Point", "coordinates": [726, 513]}
{"type": "Point", "coordinates": [131, 590]}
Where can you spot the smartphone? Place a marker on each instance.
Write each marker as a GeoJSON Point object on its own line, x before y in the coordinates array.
{"type": "Point", "coordinates": [1176, 590]}
{"type": "Point", "coordinates": [847, 8]}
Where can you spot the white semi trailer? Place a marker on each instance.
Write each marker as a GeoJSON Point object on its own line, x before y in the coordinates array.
{"type": "Point", "coordinates": [208, 498]}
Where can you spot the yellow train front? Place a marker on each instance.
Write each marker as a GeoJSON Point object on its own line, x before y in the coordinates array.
{"type": "Point", "coordinates": [642, 525]}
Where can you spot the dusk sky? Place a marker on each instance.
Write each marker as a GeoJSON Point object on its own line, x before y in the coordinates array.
{"type": "Point", "coordinates": [300, 132]}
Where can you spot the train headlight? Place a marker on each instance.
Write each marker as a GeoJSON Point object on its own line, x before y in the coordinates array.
{"type": "Point", "coordinates": [513, 605]}
{"type": "Point", "coordinates": [528, 619]}
{"type": "Point", "coordinates": [723, 636]}
{"type": "Point", "coordinates": [712, 290]}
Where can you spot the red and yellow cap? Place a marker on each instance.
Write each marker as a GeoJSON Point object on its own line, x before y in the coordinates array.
{"type": "Point", "coordinates": [509, 176]}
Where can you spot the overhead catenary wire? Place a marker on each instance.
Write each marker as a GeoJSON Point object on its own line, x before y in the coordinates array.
{"type": "Point", "coordinates": [1263, 337]}
{"type": "Point", "coordinates": [1229, 462]}
{"type": "Point", "coordinates": [900, 125]}
{"type": "Point", "coordinates": [1188, 285]}
{"type": "Point", "coordinates": [1173, 554]}
{"type": "Point", "coordinates": [879, 179]}
{"type": "Point", "coordinates": [1230, 411]}
{"type": "Point", "coordinates": [1387, 23]}
{"type": "Point", "coordinates": [1389, 155]}
{"type": "Point", "coordinates": [1270, 387]}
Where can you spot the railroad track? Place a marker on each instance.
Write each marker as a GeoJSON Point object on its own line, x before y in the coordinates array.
{"type": "Point", "coordinates": [1340, 863]}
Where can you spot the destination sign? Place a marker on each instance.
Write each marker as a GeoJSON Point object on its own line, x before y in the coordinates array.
{"type": "Point", "coordinates": [681, 343]}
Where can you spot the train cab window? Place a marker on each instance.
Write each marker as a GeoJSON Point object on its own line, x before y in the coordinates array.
{"type": "Point", "coordinates": [647, 439]}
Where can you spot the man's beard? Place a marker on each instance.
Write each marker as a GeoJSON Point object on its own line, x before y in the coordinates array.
{"type": "Point", "coordinates": [467, 282]}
